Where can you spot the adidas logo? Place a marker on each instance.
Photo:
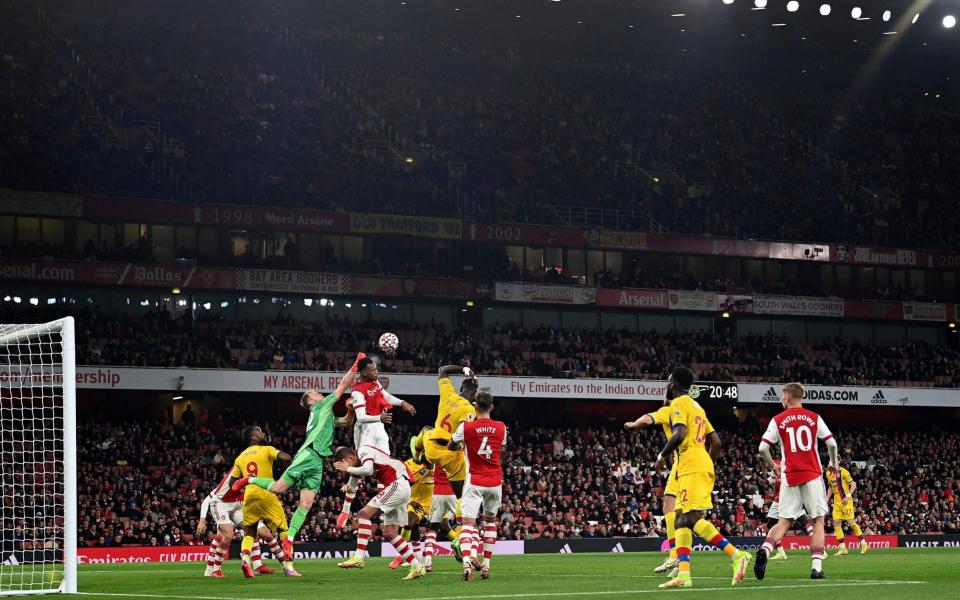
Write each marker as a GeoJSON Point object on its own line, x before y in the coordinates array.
{"type": "Point", "coordinates": [617, 548]}
{"type": "Point", "coordinates": [878, 397]}
{"type": "Point", "coordinates": [770, 396]}
{"type": "Point", "coordinates": [12, 561]}
{"type": "Point", "coordinates": [566, 549]}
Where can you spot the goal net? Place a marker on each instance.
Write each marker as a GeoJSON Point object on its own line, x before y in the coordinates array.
{"type": "Point", "coordinates": [38, 481]}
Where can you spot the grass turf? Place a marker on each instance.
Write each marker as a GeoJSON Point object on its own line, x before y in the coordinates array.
{"type": "Point", "coordinates": [881, 574]}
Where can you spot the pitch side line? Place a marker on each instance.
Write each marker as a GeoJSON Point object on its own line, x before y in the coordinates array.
{"type": "Point", "coordinates": [653, 591]}
{"type": "Point", "coordinates": [536, 594]}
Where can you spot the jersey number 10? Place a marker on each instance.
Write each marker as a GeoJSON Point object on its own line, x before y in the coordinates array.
{"type": "Point", "coordinates": [801, 439]}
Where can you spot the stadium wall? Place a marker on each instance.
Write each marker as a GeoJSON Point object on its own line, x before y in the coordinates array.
{"type": "Point", "coordinates": [339, 550]}
{"type": "Point", "coordinates": [225, 380]}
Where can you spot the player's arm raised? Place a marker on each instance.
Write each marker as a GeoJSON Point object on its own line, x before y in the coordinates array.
{"type": "Point", "coordinates": [347, 380]}
{"type": "Point", "coordinates": [394, 401]}
{"type": "Point", "coordinates": [644, 421]}
{"type": "Point", "coordinates": [450, 370]}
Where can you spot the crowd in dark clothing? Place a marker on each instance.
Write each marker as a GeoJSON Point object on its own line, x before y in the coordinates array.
{"type": "Point", "coordinates": [194, 104]}
{"type": "Point", "coordinates": [142, 482]}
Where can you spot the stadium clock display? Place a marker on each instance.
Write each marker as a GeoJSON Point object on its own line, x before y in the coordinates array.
{"type": "Point", "coordinates": [726, 391]}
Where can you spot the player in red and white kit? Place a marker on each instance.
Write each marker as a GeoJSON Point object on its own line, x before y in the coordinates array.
{"type": "Point", "coordinates": [442, 506]}
{"type": "Point", "coordinates": [798, 431]}
{"type": "Point", "coordinates": [482, 439]}
{"type": "Point", "coordinates": [370, 406]}
{"type": "Point", "coordinates": [393, 480]}
{"type": "Point", "coordinates": [226, 506]}
{"type": "Point", "coordinates": [773, 515]}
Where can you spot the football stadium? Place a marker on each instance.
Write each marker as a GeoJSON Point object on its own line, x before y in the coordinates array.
{"type": "Point", "coordinates": [452, 299]}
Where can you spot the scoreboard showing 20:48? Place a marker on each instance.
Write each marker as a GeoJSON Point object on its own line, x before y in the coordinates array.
{"type": "Point", "coordinates": [725, 392]}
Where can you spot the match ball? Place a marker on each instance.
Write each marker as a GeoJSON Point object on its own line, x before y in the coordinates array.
{"type": "Point", "coordinates": [389, 343]}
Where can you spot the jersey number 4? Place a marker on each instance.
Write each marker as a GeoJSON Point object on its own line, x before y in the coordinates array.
{"type": "Point", "coordinates": [485, 450]}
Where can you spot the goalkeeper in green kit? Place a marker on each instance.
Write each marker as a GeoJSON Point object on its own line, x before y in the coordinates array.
{"type": "Point", "coordinates": [306, 470]}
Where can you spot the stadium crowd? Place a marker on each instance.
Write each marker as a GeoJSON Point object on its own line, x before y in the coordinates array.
{"type": "Point", "coordinates": [142, 482]}
{"type": "Point", "coordinates": [281, 110]}
{"type": "Point", "coordinates": [158, 340]}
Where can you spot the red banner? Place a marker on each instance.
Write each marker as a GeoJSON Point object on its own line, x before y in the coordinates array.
{"type": "Point", "coordinates": [522, 233]}
{"type": "Point", "coordinates": [283, 219]}
{"type": "Point", "coordinates": [633, 298]}
{"type": "Point", "coordinates": [895, 257]}
{"type": "Point", "coordinates": [164, 212]}
{"type": "Point", "coordinates": [100, 208]}
{"type": "Point", "coordinates": [117, 273]}
{"type": "Point", "coordinates": [150, 554]}
{"type": "Point", "coordinates": [141, 554]}
{"type": "Point", "coordinates": [869, 309]}
{"type": "Point", "coordinates": [439, 288]}
{"type": "Point", "coordinates": [376, 286]}
{"type": "Point", "coordinates": [874, 541]}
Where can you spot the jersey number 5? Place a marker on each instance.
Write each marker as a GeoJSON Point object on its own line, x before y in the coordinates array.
{"type": "Point", "coordinates": [445, 423]}
{"type": "Point", "coordinates": [485, 450]}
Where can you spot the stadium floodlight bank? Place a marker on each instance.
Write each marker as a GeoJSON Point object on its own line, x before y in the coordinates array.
{"type": "Point", "coordinates": [38, 459]}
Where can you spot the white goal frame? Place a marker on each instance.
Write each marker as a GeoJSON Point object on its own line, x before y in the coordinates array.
{"type": "Point", "coordinates": [65, 327]}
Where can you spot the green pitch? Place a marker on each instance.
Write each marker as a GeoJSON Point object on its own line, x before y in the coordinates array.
{"type": "Point", "coordinates": [881, 574]}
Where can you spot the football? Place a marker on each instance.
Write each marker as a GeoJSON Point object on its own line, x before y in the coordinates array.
{"type": "Point", "coordinates": [389, 343]}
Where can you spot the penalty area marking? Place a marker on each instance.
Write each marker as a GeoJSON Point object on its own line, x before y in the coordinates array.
{"type": "Point", "coordinates": [172, 597]}
{"type": "Point", "coordinates": [697, 578]}
{"type": "Point", "coordinates": [512, 573]}
{"type": "Point", "coordinates": [138, 571]}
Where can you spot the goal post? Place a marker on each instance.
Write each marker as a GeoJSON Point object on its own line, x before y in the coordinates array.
{"type": "Point", "coordinates": [38, 458]}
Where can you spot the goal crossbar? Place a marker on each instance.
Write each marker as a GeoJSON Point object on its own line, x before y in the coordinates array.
{"type": "Point", "coordinates": [22, 332]}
